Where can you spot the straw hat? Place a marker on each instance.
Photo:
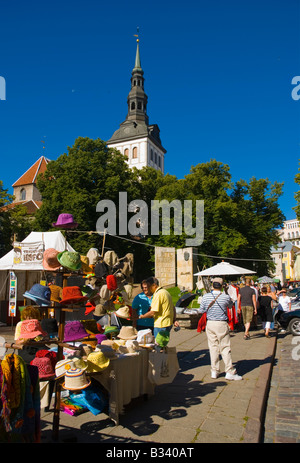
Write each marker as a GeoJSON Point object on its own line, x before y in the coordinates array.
{"type": "Point", "coordinates": [56, 293]}
{"type": "Point", "coordinates": [97, 361]}
{"type": "Point", "coordinates": [85, 265]}
{"type": "Point", "coordinates": [62, 366]}
{"type": "Point", "coordinates": [123, 312]}
{"type": "Point", "coordinates": [45, 367]}
{"type": "Point", "coordinates": [75, 379]}
{"type": "Point", "coordinates": [127, 332]}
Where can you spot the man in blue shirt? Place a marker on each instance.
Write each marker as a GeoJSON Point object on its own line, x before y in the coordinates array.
{"type": "Point", "coordinates": [140, 305]}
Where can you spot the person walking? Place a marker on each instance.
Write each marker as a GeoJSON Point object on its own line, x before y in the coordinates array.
{"type": "Point", "coordinates": [265, 310]}
{"type": "Point", "coordinates": [162, 307]}
{"type": "Point", "coordinates": [247, 305]}
{"type": "Point", "coordinates": [215, 305]}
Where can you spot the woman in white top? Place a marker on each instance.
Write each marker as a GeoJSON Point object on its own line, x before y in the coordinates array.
{"type": "Point", "coordinates": [284, 301]}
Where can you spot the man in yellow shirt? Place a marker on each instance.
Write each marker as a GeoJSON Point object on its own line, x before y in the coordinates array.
{"type": "Point", "coordinates": [162, 307]}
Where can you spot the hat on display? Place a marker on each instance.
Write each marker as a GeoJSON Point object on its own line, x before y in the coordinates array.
{"type": "Point", "coordinates": [93, 256]}
{"type": "Point", "coordinates": [99, 310]}
{"type": "Point", "coordinates": [50, 261]}
{"type": "Point", "coordinates": [132, 346]}
{"type": "Point", "coordinates": [50, 326]}
{"type": "Point", "coordinates": [45, 367]}
{"type": "Point", "coordinates": [145, 336]}
{"type": "Point", "coordinates": [65, 221]}
{"type": "Point", "coordinates": [30, 329]}
{"type": "Point", "coordinates": [72, 295]}
{"type": "Point", "coordinates": [70, 260]}
{"type": "Point", "coordinates": [108, 351]}
{"type": "Point", "coordinates": [100, 338]}
{"type": "Point", "coordinates": [62, 366]}
{"type": "Point", "coordinates": [97, 361]}
{"type": "Point", "coordinates": [85, 265]}
{"type": "Point", "coordinates": [111, 330]}
{"type": "Point", "coordinates": [111, 282]}
{"type": "Point", "coordinates": [127, 332]}
{"type": "Point", "coordinates": [74, 330]}
{"type": "Point", "coordinates": [101, 270]}
{"type": "Point", "coordinates": [75, 379]}
{"type": "Point", "coordinates": [78, 362]}
{"type": "Point", "coordinates": [56, 293]}
{"type": "Point", "coordinates": [39, 294]}
{"type": "Point", "coordinates": [123, 312]}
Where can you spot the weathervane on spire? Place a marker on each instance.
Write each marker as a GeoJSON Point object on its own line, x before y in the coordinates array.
{"type": "Point", "coordinates": [137, 35]}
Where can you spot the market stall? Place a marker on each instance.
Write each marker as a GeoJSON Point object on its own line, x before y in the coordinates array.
{"type": "Point", "coordinates": [97, 360]}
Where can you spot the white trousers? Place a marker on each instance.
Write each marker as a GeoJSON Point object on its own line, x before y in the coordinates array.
{"type": "Point", "coordinates": [218, 338]}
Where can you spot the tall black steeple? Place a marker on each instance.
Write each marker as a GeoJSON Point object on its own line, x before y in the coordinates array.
{"type": "Point", "coordinates": [135, 138]}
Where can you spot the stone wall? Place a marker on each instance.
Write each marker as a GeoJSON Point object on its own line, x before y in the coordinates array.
{"type": "Point", "coordinates": [165, 266]}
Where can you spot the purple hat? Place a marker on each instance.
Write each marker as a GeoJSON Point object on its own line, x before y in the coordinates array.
{"type": "Point", "coordinates": [65, 221]}
{"type": "Point", "coordinates": [74, 330]}
{"type": "Point", "coordinates": [100, 338]}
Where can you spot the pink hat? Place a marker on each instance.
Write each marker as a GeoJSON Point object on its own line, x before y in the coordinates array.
{"type": "Point", "coordinates": [30, 329]}
{"type": "Point", "coordinates": [50, 261]}
{"type": "Point", "coordinates": [45, 367]}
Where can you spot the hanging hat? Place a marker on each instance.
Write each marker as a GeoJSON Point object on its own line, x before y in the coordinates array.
{"type": "Point", "coordinates": [93, 256]}
{"type": "Point", "coordinates": [85, 265]}
{"type": "Point", "coordinates": [105, 293]}
{"type": "Point", "coordinates": [45, 367]}
{"type": "Point", "coordinates": [123, 312]}
{"type": "Point", "coordinates": [111, 283]}
{"type": "Point", "coordinates": [74, 330]}
{"type": "Point", "coordinates": [75, 379]}
{"type": "Point", "coordinates": [72, 295]}
{"type": "Point", "coordinates": [100, 270]}
{"type": "Point", "coordinates": [69, 260]}
{"type": "Point", "coordinates": [65, 221]}
{"type": "Point", "coordinates": [39, 294]}
{"type": "Point", "coordinates": [56, 293]}
{"type": "Point", "coordinates": [97, 362]}
{"type": "Point", "coordinates": [50, 326]}
{"type": "Point", "coordinates": [111, 330]}
{"type": "Point", "coordinates": [99, 310]}
{"type": "Point", "coordinates": [50, 261]}
{"type": "Point", "coordinates": [127, 332]}
{"type": "Point", "coordinates": [30, 329]}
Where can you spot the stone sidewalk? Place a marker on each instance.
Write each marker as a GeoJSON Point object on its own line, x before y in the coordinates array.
{"type": "Point", "coordinates": [194, 408]}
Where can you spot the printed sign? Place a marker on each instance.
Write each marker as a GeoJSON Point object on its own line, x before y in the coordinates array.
{"type": "Point", "coordinates": [12, 304]}
{"type": "Point", "coordinates": [28, 253]}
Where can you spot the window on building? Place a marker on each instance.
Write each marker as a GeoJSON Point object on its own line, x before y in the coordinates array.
{"type": "Point", "coordinates": [133, 105]}
{"type": "Point", "coordinates": [134, 152]}
{"type": "Point", "coordinates": [126, 152]}
{"type": "Point", "coordinates": [23, 194]}
{"type": "Point", "coordinates": [139, 105]}
{"type": "Point", "coordinates": [151, 155]}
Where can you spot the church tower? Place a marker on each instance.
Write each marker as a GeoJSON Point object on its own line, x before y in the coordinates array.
{"type": "Point", "coordinates": [135, 138]}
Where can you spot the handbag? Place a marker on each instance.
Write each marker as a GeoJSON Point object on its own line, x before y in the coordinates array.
{"type": "Point", "coordinates": [163, 366]}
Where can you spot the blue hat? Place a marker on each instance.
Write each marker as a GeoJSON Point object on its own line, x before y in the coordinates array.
{"type": "Point", "coordinates": [39, 294]}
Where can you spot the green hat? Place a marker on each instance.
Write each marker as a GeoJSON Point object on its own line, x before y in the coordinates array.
{"type": "Point", "coordinates": [162, 338]}
{"type": "Point", "coordinates": [70, 260]}
{"type": "Point", "coordinates": [111, 329]}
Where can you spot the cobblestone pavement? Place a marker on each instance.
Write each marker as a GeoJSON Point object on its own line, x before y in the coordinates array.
{"type": "Point", "coordinates": [282, 420]}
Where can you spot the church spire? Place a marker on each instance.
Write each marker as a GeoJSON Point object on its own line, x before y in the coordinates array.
{"type": "Point", "coordinates": [137, 98]}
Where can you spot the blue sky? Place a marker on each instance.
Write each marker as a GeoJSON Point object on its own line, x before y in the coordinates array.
{"type": "Point", "coordinates": [218, 79]}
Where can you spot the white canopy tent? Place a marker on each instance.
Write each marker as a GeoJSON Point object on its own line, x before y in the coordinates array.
{"type": "Point", "coordinates": [30, 273]}
{"type": "Point", "coordinates": [223, 269]}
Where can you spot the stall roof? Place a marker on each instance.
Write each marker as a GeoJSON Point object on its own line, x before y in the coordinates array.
{"type": "Point", "coordinates": [53, 239]}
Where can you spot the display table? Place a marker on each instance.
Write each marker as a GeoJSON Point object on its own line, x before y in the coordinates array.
{"type": "Point", "coordinates": [125, 378]}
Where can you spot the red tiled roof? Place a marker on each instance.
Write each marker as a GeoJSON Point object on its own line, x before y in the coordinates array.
{"type": "Point", "coordinates": [31, 205]}
{"type": "Point", "coordinates": [31, 174]}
